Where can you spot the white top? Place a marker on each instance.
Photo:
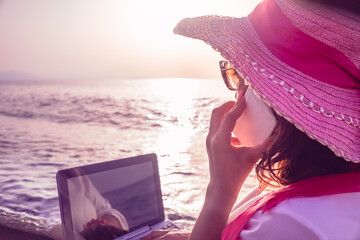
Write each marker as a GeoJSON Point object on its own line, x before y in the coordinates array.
{"type": "Point", "coordinates": [332, 217]}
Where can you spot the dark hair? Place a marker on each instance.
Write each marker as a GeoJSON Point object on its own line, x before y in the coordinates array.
{"type": "Point", "coordinates": [293, 156]}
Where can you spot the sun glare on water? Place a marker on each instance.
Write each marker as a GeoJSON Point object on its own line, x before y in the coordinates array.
{"type": "Point", "coordinates": [179, 109]}
{"type": "Point", "coordinates": [179, 156]}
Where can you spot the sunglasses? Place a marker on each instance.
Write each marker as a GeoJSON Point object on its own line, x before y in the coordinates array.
{"type": "Point", "coordinates": [233, 80]}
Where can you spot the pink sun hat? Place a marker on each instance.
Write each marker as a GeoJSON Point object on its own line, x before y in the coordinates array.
{"type": "Point", "coordinates": [300, 58]}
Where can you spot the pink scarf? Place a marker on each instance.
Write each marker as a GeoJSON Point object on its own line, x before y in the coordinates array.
{"type": "Point", "coordinates": [311, 187]}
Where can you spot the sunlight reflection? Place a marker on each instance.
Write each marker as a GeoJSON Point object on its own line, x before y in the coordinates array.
{"type": "Point", "coordinates": [179, 93]}
{"type": "Point", "coordinates": [178, 97]}
{"type": "Point", "coordinates": [185, 106]}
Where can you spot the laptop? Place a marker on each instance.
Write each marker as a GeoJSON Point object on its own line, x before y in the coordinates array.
{"type": "Point", "coordinates": [119, 199]}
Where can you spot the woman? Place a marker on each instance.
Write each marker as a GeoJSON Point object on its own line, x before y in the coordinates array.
{"type": "Point", "coordinates": [302, 59]}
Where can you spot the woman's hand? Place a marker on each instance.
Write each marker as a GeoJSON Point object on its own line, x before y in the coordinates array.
{"type": "Point", "coordinates": [172, 234]}
{"type": "Point", "coordinates": [229, 166]}
{"type": "Point", "coordinates": [229, 162]}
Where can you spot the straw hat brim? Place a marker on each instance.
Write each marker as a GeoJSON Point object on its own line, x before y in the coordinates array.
{"type": "Point", "coordinates": [326, 113]}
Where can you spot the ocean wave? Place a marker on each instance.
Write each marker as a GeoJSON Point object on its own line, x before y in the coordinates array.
{"type": "Point", "coordinates": [50, 126]}
{"type": "Point", "coordinates": [124, 113]}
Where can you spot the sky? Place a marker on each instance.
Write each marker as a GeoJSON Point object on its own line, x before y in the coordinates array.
{"type": "Point", "coordinates": [108, 39]}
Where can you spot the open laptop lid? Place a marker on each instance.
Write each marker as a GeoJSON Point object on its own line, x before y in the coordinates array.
{"type": "Point", "coordinates": [128, 190]}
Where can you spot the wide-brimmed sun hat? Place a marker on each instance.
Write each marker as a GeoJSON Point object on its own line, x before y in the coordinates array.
{"type": "Point", "coordinates": [302, 59]}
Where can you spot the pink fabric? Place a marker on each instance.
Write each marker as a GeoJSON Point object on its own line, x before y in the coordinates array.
{"type": "Point", "coordinates": [311, 187]}
{"type": "Point", "coordinates": [301, 51]}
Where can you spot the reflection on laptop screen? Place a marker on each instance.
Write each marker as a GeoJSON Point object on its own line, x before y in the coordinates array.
{"type": "Point", "coordinates": [116, 200]}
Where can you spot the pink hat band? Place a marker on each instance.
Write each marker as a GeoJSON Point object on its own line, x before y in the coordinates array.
{"type": "Point", "coordinates": [300, 51]}
{"type": "Point", "coordinates": [301, 59]}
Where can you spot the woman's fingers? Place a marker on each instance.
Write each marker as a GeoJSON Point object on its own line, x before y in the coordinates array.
{"type": "Point", "coordinates": [217, 116]}
{"type": "Point", "coordinates": [228, 123]}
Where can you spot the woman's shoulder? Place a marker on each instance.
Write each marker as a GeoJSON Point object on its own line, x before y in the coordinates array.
{"type": "Point", "coordinates": [346, 206]}
{"type": "Point", "coordinates": [330, 213]}
{"type": "Point", "coordinates": [324, 217]}
{"type": "Point", "coordinates": [336, 203]}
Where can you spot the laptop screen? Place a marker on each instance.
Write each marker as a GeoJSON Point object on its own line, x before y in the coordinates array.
{"type": "Point", "coordinates": [115, 197]}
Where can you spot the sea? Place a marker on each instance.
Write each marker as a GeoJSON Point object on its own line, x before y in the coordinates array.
{"type": "Point", "coordinates": [50, 125]}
